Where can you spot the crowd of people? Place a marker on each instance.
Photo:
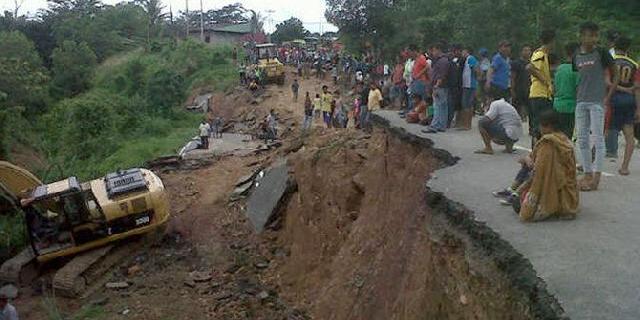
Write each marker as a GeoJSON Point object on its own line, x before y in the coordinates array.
{"type": "Point", "coordinates": [585, 96]}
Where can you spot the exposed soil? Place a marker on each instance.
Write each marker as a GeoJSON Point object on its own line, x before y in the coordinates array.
{"type": "Point", "coordinates": [357, 240]}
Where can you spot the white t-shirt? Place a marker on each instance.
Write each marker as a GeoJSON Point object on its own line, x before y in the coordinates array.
{"type": "Point", "coordinates": [204, 129]}
{"type": "Point", "coordinates": [507, 117]}
{"type": "Point", "coordinates": [386, 69]}
{"type": "Point", "coordinates": [9, 313]}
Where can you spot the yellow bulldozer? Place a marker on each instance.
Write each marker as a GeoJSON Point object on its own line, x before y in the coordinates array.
{"type": "Point", "coordinates": [268, 63]}
{"type": "Point", "coordinates": [81, 223]}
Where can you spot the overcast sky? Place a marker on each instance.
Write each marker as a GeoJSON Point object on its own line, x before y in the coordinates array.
{"type": "Point", "coordinates": [311, 12]}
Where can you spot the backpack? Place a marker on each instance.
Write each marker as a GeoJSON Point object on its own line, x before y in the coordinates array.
{"type": "Point", "coordinates": [454, 74]}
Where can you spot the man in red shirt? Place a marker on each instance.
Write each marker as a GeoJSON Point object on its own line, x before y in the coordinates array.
{"type": "Point", "coordinates": [399, 86]}
{"type": "Point", "coordinates": [419, 74]}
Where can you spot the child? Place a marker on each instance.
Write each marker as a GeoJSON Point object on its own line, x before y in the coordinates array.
{"type": "Point", "coordinates": [218, 123]}
{"type": "Point", "coordinates": [308, 112]}
{"type": "Point", "coordinates": [339, 113]}
{"type": "Point", "coordinates": [317, 106]}
{"type": "Point", "coordinates": [294, 88]}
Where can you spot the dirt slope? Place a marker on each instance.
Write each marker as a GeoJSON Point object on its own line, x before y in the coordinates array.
{"type": "Point", "coordinates": [356, 241]}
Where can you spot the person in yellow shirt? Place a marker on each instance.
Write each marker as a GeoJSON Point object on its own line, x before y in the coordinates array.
{"type": "Point", "coordinates": [375, 98]}
{"type": "Point", "coordinates": [541, 91]}
{"type": "Point", "coordinates": [325, 101]}
{"type": "Point", "coordinates": [374, 103]}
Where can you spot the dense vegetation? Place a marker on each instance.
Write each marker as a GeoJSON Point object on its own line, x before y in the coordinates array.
{"type": "Point", "coordinates": [390, 25]}
{"type": "Point", "coordinates": [95, 87]}
{"type": "Point", "coordinates": [92, 88]}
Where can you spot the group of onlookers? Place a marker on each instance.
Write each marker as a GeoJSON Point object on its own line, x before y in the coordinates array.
{"type": "Point", "coordinates": [582, 95]}
{"type": "Point", "coordinates": [338, 111]}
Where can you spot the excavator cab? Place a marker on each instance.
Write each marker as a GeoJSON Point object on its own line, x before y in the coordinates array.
{"type": "Point", "coordinates": [61, 215]}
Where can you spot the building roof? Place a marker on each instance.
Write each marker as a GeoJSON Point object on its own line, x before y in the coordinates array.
{"type": "Point", "coordinates": [242, 28]}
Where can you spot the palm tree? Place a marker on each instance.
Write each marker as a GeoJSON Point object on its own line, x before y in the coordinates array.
{"type": "Point", "coordinates": [153, 10]}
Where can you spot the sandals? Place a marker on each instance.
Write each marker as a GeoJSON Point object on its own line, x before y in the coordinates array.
{"type": "Point", "coordinates": [483, 151]}
{"type": "Point", "coordinates": [625, 172]}
{"type": "Point", "coordinates": [584, 184]}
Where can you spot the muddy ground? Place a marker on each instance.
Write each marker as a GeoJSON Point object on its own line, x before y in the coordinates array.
{"type": "Point", "coordinates": [357, 239]}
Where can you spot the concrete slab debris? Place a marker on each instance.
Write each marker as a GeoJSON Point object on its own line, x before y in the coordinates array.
{"type": "Point", "coordinates": [269, 194]}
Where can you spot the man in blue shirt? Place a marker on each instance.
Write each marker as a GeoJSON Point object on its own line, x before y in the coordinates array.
{"type": "Point", "coordinates": [500, 72]}
{"type": "Point", "coordinates": [469, 85]}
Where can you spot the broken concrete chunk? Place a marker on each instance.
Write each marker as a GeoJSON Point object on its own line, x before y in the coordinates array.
{"type": "Point", "coordinates": [263, 295]}
{"type": "Point", "coordinates": [245, 179]}
{"type": "Point", "coordinates": [269, 195]}
{"type": "Point", "coordinates": [117, 285]}
{"type": "Point", "coordinates": [201, 276]}
{"type": "Point", "coordinates": [241, 190]}
{"type": "Point", "coordinates": [190, 283]}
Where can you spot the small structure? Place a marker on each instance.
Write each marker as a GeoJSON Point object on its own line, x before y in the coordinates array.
{"type": "Point", "coordinates": [223, 33]}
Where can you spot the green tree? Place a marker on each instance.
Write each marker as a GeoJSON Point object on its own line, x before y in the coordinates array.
{"type": "Point", "coordinates": [288, 30]}
{"type": "Point", "coordinates": [73, 66]}
{"type": "Point", "coordinates": [390, 25]}
{"type": "Point", "coordinates": [154, 16]}
{"type": "Point", "coordinates": [165, 90]}
{"type": "Point", "coordinates": [23, 80]}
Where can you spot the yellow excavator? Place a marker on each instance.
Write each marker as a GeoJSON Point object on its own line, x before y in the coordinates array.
{"type": "Point", "coordinates": [269, 64]}
{"type": "Point", "coordinates": [84, 221]}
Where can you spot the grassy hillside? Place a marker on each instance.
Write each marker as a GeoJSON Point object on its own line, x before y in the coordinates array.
{"type": "Point", "coordinates": [132, 112]}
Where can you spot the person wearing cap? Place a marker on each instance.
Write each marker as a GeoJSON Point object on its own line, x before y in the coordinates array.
{"type": "Point", "coordinates": [7, 310]}
{"type": "Point", "coordinates": [500, 72]}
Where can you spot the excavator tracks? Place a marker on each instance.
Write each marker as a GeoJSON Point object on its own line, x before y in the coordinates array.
{"type": "Point", "coordinates": [20, 269]}
{"type": "Point", "coordinates": [69, 281]}
{"type": "Point", "coordinates": [80, 276]}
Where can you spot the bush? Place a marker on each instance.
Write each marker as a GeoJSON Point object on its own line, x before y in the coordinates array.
{"type": "Point", "coordinates": [73, 65]}
{"type": "Point", "coordinates": [79, 128]}
{"type": "Point", "coordinates": [164, 90]}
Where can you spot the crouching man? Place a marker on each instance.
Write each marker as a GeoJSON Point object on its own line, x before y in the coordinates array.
{"type": "Point", "coordinates": [502, 125]}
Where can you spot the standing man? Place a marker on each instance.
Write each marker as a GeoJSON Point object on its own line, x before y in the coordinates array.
{"type": "Point", "coordinates": [295, 86]}
{"type": "Point", "coordinates": [325, 102]}
{"type": "Point", "coordinates": [408, 66]}
{"type": "Point", "coordinates": [374, 102]}
{"type": "Point", "coordinates": [364, 105]}
{"type": "Point", "coordinates": [565, 83]}
{"type": "Point", "coordinates": [308, 112]}
{"type": "Point", "coordinates": [419, 75]}
{"type": "Point", "coordinates": [397, 79]}
{"type": "Point", "coordinates": [469, 85]}
{"type": "Point", "coordinates": [521, 82]}
{"type": "Point", "coordinates": [499, 73]}
{"type": "Point", "coordinates": [626, 109]}
{"type": "Point", "coordinates": [594, 65]}
{"type": "Point", "coordinates": [205, 129]}
{"type": "Point", "coordinates": [541, 92]}
{"type": "Point", "coordinates": [485, 64]}
{"type": "Point", "coordinates": [7, 311]}
{"type": "Point", "coordinates": [440, 90]}
{"type": "Point", "coordinates": [454, 83]}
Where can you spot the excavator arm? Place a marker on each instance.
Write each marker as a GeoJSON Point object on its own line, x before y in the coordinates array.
{"type": "Point", "coordinates": [14, 180]}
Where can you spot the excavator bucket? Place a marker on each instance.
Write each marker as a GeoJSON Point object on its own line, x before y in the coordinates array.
{"type": "Point", "coordinates": [15, 179]}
